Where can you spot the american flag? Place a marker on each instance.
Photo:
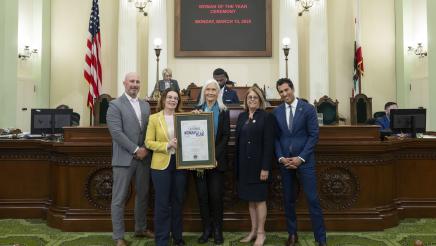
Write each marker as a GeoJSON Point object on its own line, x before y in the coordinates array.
{"type": "Point", "coordinates": [92, 70]}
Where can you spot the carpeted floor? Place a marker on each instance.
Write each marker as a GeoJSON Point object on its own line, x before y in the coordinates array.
{"type": "Point", "coordinates": [36, 232]}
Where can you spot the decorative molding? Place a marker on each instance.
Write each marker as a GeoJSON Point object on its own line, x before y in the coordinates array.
{"type": "Point", "coordinates": [421, 155]}
{"type": "Point", "coordinates": [354, 160]}
{"type": "Point", "coordinates": [81, 161]}
{"type": "Point", "coordinates": [339, 188]}
{"type": "Point", "coordinates": [24, 155]}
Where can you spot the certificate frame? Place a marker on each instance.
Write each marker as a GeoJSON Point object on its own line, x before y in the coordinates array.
{"type": "Point", "coordinates": [209, 162]}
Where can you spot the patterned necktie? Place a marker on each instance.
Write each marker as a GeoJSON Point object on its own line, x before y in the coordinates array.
{"type": "Point", "coordinates": [291, 119]}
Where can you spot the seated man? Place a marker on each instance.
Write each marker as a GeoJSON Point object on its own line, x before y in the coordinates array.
{"type": "Point", "coordinates": [384, 121]}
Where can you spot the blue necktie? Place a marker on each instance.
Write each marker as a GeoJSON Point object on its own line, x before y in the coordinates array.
{"type": "Point", "coordinates": [291, 119]}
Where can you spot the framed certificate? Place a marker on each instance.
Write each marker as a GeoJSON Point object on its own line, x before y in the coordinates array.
{"type": "Point", "coordinates": [195, 140]}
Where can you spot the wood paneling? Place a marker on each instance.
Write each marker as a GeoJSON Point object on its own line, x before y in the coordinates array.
{"type": "Point", "coordinates": [364, 183]}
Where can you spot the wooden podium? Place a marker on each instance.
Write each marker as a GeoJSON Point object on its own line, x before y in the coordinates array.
{"type": "Point", "coordinates": [364, 183]}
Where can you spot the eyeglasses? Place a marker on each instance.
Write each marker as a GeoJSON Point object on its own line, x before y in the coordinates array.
{"type": "Point", "coordinates": [252, 98]}
{"type": "Point", "coordinates": [172, 98]}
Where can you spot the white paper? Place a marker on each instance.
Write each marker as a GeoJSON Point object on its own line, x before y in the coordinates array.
{"type": "Point", "coordinates": [194, 140]}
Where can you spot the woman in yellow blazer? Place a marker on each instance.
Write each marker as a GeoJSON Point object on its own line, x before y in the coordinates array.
{"type": "Point", "coordinates": [169, 183]}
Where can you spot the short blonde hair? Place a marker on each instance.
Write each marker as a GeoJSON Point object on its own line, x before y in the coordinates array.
{"type": "Point", "coordinates": [167, 71]}
{"type": "Point", "coordinates": [256, 90]}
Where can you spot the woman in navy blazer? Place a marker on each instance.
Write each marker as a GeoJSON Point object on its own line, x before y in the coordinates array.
{"type": "Point", "coordinates": [254, 155]}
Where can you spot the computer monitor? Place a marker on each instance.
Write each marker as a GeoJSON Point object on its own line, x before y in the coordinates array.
{"type": "Point", "coordinates": [49, 121]}
{"type": "Point", "coordinates": [408, 121]}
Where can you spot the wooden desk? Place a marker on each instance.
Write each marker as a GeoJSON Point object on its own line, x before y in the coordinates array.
{"type": "Point", "coordinates": [364, 184]}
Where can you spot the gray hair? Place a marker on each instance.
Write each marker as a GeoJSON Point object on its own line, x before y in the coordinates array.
{"type": "Point", "coordinates": [167, 71]}
{"type": "Point", "coordinates": [220, 97]}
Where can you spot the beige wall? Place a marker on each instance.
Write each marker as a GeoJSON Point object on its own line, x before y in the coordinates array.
{"type": "Point", "coordinates": [69, 33]}
{"type": "Point", "coordinates": [69, 29]}
{"type": "Point", "coordinates": [378, 43]}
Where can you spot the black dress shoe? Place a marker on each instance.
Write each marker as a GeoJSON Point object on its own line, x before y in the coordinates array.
{"type": "Point", "coordinates": [180, 243]}
{"type": "Point", "coordinates": [322, 244]}
{"type": "Point", "coordinates": [218, 236]}
{"type": "Point", "coordinates": [292, 240]}
{"type": "Point", "coordinates": [204, 238]}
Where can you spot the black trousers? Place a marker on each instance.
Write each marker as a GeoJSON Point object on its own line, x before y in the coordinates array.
{"type": "Point", "coordinates": [210, 188]}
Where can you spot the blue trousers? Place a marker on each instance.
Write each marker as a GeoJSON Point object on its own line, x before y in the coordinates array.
{"type": "Point", "coordinates": [307, 178]}
{"type": "Point", "coordinates": [169, 186]}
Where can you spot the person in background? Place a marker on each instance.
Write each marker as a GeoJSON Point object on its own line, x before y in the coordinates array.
{"type": "Point", "coordinates": [167, 81]}
{"type": "Point", "coordinates": [228, 95]}
{"type": "Point", "coordinates": [384, 121]}
{"type": "Point", "coordinates": [297, 136]}
{"type": "Point", "coordinates": [169, 182]}
{"type": "Point", "coordinates": [75, 117]}
{"type": "Point", "coordinates": [127, 119]}
{"type": "Point", "coordinates": [210, 183]}
{"type": "Point", "coordinates": [255, 136]}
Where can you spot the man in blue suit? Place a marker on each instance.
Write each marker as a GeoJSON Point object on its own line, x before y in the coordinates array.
{"type": "Point", "coordinates": [384, 121]}
{"type": "Point", "coordinates": [295, 146]}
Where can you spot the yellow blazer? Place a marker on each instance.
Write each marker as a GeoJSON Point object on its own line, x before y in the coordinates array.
{"type": "Point", "coordinates": [156, 140]}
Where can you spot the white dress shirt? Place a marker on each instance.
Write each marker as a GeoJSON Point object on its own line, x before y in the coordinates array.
{"type": "Point", "coordinates": [136, 107]}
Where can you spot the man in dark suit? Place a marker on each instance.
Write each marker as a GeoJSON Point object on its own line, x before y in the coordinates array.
{"type": "Point", "coordinates": [127, 119]}
{"type": "Point", "coordinates": [295, 146]}
{"type": "Point", "coordinates": [229, 96]}
{"type": "Point", "coordinates": [384, 121]}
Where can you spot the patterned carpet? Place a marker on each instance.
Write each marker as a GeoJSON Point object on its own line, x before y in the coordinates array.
{"type": "Point", "coordinates": [36, 232]}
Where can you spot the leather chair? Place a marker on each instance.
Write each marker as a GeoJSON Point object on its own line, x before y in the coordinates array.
{"type": "Point", "coordinates": [360, 109]}
{"type": "Point", "coordinates": [329, 109]}
{"type": "Point", "coordinates": [101, 105]}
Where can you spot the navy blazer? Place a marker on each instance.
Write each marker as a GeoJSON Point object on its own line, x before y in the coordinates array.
{"type": "Point", "coordinates": [260, 145]}
{"type": "Point", "coordinates": [230, 97]}
{"type": "Point", "coordinates": [304, 136]}
{"type": "Point", "coordinates": [222, 137]}
{"type": "Point", "coordinates": [160, 85]}
{"type": "Point", "coordinates": [384, 122]}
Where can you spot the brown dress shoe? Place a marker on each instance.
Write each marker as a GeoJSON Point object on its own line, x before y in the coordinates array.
{"type": "Point", "coordinates": [146, 233]}
{"type": "Point", "coordinates": [292, 240]}
{"type": "Point", "coordinates": [121, 242]}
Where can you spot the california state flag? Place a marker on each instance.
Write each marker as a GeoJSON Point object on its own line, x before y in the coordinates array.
{"type": "Point", "coordinates": [358, 57]}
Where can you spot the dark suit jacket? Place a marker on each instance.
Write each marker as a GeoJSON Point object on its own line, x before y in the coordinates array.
{"type": "Point", "coordinates": [222, 137]}
{"type": "Point", "coordinates": [383, 122]}
{"type": "Point", "coordinates": [230, 96]}
{"type": "Point", "coordinates": [304, 136]}
{"type": "Point", "coordinates": [260, 143]}
{"type": "Point", "coordinates": [161, 85]}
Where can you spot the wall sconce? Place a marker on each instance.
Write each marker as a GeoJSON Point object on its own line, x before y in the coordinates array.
{"type": "Point", "coordinates": [141, 5]}
{"type": "Point", "coordinates": [419, 50]}
{"type": "Point", "coordinates": [27, 53]}
{"type": "Point", "coordinates": [286, 41]}
{"type": "Point", "coordinates": [304, 5]}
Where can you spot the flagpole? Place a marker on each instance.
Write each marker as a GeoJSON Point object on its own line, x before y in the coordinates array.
{"type": "Point", "coordinates": [90, 116]}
